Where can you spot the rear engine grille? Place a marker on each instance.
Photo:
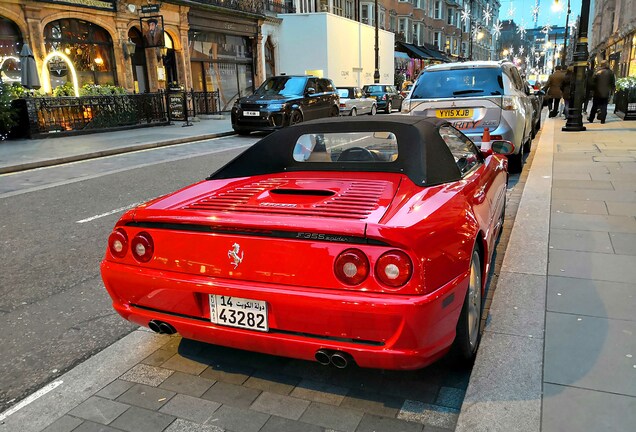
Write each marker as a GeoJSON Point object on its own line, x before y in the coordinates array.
{"type": "Point", "coordinates": [355, 201]}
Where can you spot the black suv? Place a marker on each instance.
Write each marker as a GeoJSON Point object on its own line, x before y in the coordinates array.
{"type": "Point", "coordinates": [285, 100]}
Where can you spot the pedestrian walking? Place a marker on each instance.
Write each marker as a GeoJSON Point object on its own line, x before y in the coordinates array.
{"type": "Point", "coordinates": [566, 87]}
{"type": "Point", "coordinates": [603, 85]}
{"type": "Point", "coordinates": [553, 90]}
{"type": "Point", "coordinates": [589, 75]}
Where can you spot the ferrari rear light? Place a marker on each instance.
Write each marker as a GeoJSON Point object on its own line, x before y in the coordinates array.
{"type": "Point", "coordinates": [496, 137]}
{"type": "Point", "coordinates": [142, 247]}
{"type": "Point", "coordinates": [351, 267]}
{"type": "Point", "coordinates": [394, 268]}
{"type": "Point", "coordinates": [118, 243]}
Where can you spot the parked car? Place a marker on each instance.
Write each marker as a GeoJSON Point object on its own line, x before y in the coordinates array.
{"type": "Point", "coordinates": [387, 96]}
{"type": "Point", "coordinates": [536, 97]}
{"type": "Point", "coordinates": [338, 240]}
{"type": "Point", "coordinates": [353, 102]}
{"type": "Point", "coordinates": [285, 100]}
{"type": "Point", "coordinates": [406, 89]}
{"type": "Point", "coordinates": [474, 95]}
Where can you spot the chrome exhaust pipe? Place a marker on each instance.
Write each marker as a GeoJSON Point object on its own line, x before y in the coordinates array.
{"type": "Point", "coordinates": [154, 326]}
{"type": "Point", "coordinates": [340, 359]}
{"type": "Point", "coordinates": [322, 357]}
{"type": "Point", "coordinates": [166, 328]}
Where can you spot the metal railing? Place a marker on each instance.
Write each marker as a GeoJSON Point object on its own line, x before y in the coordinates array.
{"type": "Point", "coordinates": [252, 6]}
{"type": "Point", "coordinates": [86, 113]}
{"type": "Point", "coordinates": [278, 6]}
{"type": "Point", "coordinates": [203, 102]}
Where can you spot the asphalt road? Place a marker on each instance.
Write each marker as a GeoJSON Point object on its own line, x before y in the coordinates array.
{"type": "Point", "coordinates": [54, 310]}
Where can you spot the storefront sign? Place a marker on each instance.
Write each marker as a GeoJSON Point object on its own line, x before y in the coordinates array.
{"type": "Point", "coordinates": [93, 4]}
{"type": "Point", "coordinates": [176, 104]}
{"type": "Point", "coordinates": [153, 8]}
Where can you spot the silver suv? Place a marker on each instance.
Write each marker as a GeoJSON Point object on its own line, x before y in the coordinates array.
{"type": "Point", "coordinates": [474, 95]}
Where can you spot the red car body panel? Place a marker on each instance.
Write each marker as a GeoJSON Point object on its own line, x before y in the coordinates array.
{"type": "Point", "coordinates": [288, 263]}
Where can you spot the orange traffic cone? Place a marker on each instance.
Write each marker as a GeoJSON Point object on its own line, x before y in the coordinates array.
{"type": "Point", "coordinates": [485, 140]}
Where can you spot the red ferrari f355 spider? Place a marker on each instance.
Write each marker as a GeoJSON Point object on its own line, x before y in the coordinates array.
{"type": "Point", "coordinates": [340, 240]}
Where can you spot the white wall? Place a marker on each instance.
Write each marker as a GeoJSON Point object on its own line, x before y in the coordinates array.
{"type": "Point", "coordinates": [343, 49]}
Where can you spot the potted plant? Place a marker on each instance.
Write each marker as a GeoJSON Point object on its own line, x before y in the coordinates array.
{"type": "Point", "coordinates": [625, 98]}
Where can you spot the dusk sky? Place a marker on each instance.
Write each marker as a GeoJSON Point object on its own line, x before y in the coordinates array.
{"type": "Point", "coordinates": [523, 12]}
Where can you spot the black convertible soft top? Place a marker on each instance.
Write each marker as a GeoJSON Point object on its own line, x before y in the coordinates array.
{"type": "Point", "coordinates": [423, 156]}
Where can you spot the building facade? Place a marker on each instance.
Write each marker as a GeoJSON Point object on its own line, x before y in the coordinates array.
{"type": "Point", "coordinates": [613, 35]}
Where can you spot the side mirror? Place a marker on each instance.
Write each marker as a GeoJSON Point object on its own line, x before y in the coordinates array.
{"type": "Point", "coordinates": [310, 91]}
{"type": "Point", "coordinates": [502, 147]}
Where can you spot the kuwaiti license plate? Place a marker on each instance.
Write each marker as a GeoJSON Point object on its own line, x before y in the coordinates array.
{"type": "Point", "coordinates": [238, 312]}
{"type": "Point", "coordinates": [251, 113]}
{"type": "Point", "coordinates": [454, 113]}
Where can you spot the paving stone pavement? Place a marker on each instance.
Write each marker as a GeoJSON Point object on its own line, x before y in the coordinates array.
{"type": "Point", "coordinates": [185, 385]}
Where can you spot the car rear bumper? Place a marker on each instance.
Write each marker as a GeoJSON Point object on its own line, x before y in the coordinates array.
{"type": "Point", "coordinates": [377, 330]}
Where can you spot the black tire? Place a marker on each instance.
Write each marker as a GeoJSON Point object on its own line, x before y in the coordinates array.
{"type": "Point", "coordinates": [515, 162]}
{"type": "Point", "coordinates": [528, 145]}
{"type": "Point", "coordinates": [389, 107]}
{"type": "Point", "coordinates": [242, 132]}
{"type": "Point", "coordinates": [353, 112]}
{"type": "Point", "coordinates": [295, 117]}
{"type": "Point", "coordinates": [374, 110]}
{"type": "Point", "coordinates": [335, 112]}
{"type": "Point", "coordinates": [469, 324]}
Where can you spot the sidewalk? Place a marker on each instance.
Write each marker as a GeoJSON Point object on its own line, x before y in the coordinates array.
{"type": "Point", "coordinates": [559, 349]}
{"type": "Point", "coordinates": [558, 352]}
{"type": "Point", "coordinates": [26, 154]}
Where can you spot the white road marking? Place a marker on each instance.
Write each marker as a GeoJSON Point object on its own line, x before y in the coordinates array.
{"type": "Point", "coordinates": [117, 210]}
{"type": "Point", "coordinates": [44, 390]}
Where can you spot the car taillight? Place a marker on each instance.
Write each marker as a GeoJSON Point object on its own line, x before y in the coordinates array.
{"type": "Point", "coordinates": [496, 137]}
{"type": "Point", "coordinates": [508, 103]}
{"type": "Point", "coordinates": [406, 106]}
{"type": "Point", "coordinates": [118, 243]}
{"type": "Point", "coordinates": [351, 267]}
{"type": "Point", "coordinates": [394, 268]}
{"type": "Point", "coordinates": [343, 105]}
{"type": "Point", "coordinates": [142, 247]}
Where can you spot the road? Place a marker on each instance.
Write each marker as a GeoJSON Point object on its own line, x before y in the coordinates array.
{"type": "Point", "coordinates": [54, 310]}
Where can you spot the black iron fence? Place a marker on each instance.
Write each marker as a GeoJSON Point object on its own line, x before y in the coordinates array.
{"type": "Point", "coordinates": [203, 102]}
{"type": "Point", "coordinates": [277, 6]}
{"type": "Point", "coordinates": [253, 6]}
{"type": "Point", "coordinates": [86, 113]}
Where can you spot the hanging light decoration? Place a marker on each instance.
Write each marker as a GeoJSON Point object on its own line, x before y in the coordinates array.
{"type": "Point", "coordinates": [511, 11]}
{"type": "Point", "coordinates": [465, 16]}
{"type": "Point", "coordinates": [535, 12]}
{"type": "Point", "coordinates": [487, 13]}
{"type": "Point", "coordinates": [496, 29]}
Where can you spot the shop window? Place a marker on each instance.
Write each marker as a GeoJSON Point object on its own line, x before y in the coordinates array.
{"type": "Point", "coordinates": [89, 47]}
{"type": "Point", "coordinates": [270, 63]}
{"type": "Point", "coordinates": [10, 46]}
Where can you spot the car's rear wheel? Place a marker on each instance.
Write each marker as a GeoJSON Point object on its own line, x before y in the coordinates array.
{"type": "Point", "coordinates": [389, 107]}
{"type": "Point", "coordinates": [468, 325]}
{"type": "Point", "coordinates": [515, 162]}
{"type": "Point", "coordinates": [295, 118]}
{"type": "Point", "coordinates": [528, 145]}
{"type": "Point", "coordinates": [374, 110]}
{"type": "Point", "coordinates": [354, 112]}
{"type": "Point", "coordinates": [335, 112]}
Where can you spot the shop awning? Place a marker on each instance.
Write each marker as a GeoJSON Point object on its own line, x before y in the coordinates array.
{"type": "Point", "coordinates": [402, 55]}
{"type": "Point", "coordinates": [414, 51]}
{"type": "Point", "coordinates": [435, 53]}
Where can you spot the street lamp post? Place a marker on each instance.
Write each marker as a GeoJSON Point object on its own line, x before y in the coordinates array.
{"type": "Point", "coordinates": [574, 120]}
{"type": "Point", "coordinates": [376, 74]}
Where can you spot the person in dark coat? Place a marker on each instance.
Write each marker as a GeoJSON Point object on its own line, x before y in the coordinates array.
{"type": "Point", "coordinates": [603, 85]}
{"type": "Point", "coordinates": [553, 90]}
{"type": "Point", "coordinates": [566, 87]}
